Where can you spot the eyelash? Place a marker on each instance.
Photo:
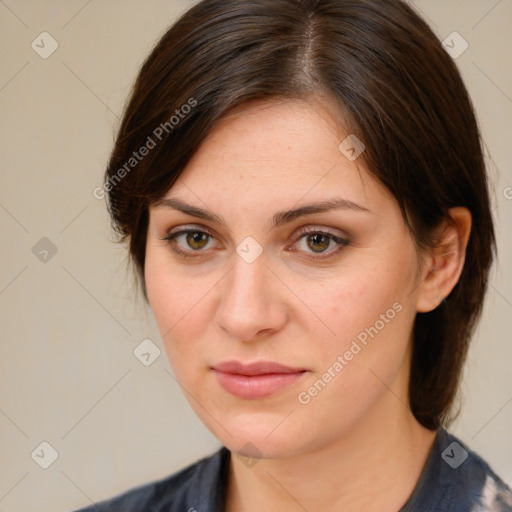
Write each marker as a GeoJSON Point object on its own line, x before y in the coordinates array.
{"type": "Point", "coordinates": [171, 236]}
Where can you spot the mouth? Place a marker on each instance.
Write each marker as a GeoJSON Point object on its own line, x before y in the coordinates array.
{"type": "Point", "coordinates": [256, 380]}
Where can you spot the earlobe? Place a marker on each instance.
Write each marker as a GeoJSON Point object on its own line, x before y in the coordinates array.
{"type": "Point", "coordinates": [444, 263]}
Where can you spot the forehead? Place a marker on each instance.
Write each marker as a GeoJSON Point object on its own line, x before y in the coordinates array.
{"type": "Point", "coordinates": [284, 130]}
{"type": "Point", "coordinates": [284, 151]}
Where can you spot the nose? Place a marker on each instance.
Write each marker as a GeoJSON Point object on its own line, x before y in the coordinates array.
{"type": "Point", "coordinates": [251, 303]}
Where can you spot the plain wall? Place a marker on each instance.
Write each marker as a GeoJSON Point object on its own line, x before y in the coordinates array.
{"type": "Point", "coordinates": [70, 323]}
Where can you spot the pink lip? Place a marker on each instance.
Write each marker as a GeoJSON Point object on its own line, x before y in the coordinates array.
{"type": "Point", "coordinates": [255, 380]}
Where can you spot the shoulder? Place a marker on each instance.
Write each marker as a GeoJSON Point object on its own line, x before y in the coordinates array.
{"type": "Point", "coordinates": [463, 480]}
{"type": "Point", "coordinates": [185, 490]}
{"type": "Point", "coordinates": [489, 493]}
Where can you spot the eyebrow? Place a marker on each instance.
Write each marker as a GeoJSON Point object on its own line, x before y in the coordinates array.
{"type": "Point", "coordinates": [279, 218]}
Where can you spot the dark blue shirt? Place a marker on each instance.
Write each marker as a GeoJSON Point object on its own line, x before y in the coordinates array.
{"type": "Point", "coordinates": [454, 479]}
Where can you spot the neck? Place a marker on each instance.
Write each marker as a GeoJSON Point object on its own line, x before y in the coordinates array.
{"type": "Point", "coordinates": [374, 467]}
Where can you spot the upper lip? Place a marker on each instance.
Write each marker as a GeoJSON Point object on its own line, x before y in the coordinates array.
{"type": "Point", "coordinates": [256, 368]}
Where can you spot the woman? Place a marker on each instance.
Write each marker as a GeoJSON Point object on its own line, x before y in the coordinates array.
{"type": "Point", "coordinates": [304, 194]}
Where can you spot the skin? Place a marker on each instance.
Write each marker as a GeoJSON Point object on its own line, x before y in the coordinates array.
{"type": "Point", "coordinates": [358, 433]}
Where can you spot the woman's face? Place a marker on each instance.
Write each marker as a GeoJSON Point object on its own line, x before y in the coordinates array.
{"type": "Point", "coordinates": [330, 294]}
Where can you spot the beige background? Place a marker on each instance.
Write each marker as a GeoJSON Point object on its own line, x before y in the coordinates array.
{"type": "Point", "coordinates": [69, 324]}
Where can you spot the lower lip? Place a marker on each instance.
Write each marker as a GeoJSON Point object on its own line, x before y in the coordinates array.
{"type": "Point", "coordinates": [256, 386]}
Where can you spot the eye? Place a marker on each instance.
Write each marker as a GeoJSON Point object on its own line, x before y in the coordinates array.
{"type": "Point", "coordinates": [196, 240]}
{"type": "Point", "coordinates": [188, 242]}
{"type": "Point", "coordinates": [318, 242]}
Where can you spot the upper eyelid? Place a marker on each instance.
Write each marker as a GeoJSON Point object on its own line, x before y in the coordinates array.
{"type": "Point", "coordinates": [186, 228]}
{"type": "Point", "coordinates": [301, 231]}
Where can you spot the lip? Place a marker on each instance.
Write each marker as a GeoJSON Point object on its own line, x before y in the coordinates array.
{"type": "Point", "coordinates": [255, 380]}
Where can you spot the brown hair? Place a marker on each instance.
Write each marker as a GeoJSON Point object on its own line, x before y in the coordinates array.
{"type": "Point", "coordinates": [403, 98]}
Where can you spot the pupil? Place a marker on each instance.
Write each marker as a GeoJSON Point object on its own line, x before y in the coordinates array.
{"type": "Point", "coordinates": [196, 237]}
{"type": "Point", "coordinates": [316, 238]}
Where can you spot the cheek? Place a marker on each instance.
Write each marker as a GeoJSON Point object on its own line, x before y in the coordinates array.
{"type": "Point", "coordinates": [370, 314]}
{"type": "Point", "coordinates": [358, 365]}
{"type": "Point", "coordinates": [181, 309]}
{"type": "Point", "coordinates": [360, 306]}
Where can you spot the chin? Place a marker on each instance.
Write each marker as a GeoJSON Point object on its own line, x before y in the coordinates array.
{"type": "Point", "coordinates": [257, 444]}
{"type": "Point", "coordinates": [269, 434]}
{"type": "Point", "coordinates": [262, 450]}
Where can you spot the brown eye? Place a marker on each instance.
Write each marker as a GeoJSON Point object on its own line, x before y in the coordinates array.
{"type": "Point", "coordinates": [189, 242]}
{"type": "Point", "coordinates": [318, 242]}
{"type": "Point", "coordinates": [197, 239]}
{"type": "Point", "coordinates": [311, 241]}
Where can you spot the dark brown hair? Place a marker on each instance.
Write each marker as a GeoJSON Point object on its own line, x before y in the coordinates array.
{"type": "Point", "coordinates": [403, 98]}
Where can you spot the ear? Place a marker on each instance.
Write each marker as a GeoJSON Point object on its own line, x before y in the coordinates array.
{"type": "Point", "coordinates": [443, 264]}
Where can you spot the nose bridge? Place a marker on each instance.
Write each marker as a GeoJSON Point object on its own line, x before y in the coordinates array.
{"type": "Point", "coordinates": [248, 303]}
{"type": "Point", "coordinates": [246, 288]}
